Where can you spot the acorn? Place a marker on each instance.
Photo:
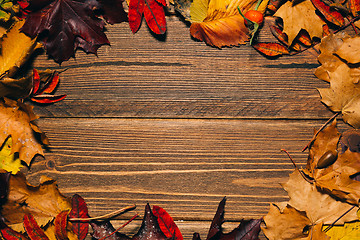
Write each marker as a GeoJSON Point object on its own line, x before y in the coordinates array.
{"type": "Point", "coordinates": [327, 159]}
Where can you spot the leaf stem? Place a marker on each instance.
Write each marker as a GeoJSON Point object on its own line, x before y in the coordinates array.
{"type": "Point", "coordinates": [106, 216]}
{"type": "Point", "coordinates": [135, 216]}
{"type": "Point", "coordinates": [296, 168]}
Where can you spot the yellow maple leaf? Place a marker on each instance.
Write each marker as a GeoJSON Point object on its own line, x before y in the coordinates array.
{"type": "Point", "coordinates": [219, 23]}
{"type": "Point", "coordinates": [348, 231]}
{"type": "Point", "coordinates": [16, 48]}
{"type": "Point", "coordinates": [300, 16]}
{"type": "Point", "coordinates": [8, 159]}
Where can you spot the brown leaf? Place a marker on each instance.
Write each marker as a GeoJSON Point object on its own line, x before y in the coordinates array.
{"type": "Point", "coordinates": [17, 119]}
{"type": "Point", "coordinates": [300, 16]}
{"type": "Point", "coordinates": [44, 201]}
{"type": "Point", "coordinates": [271, 49]}
{"type": "Point", "coordinates": [350, 140]}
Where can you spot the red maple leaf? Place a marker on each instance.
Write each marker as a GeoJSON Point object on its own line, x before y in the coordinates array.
{"type": "Point", "coordinates": [153, 12]}
{"type": "Point", "coordinates": [65, 25]}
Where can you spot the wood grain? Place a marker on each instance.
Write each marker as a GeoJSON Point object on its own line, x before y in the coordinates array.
{"type": "Point", "coordinates": [140, 76]}
{"type": "Point", "coordinates": [185, 166]}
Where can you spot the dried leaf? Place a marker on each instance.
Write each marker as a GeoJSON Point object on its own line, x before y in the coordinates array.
{"type": "Point", "coordinates": [150, 229]}
{"type": "Point", "coordinates": [300, 16]}
{"type": "Point", "coordinates": [103, 229]}
{"type": "Point", "coordinates": [4, 185]}
{"type": "Point", "coordinates": [350, 140]}
{"type": "Point", "coordinates": [350, 50]}
{"type": "Point", "coordinates": [9, 234]}
{"type": "Point", "coordinates": [113, 11]}
{"type": "Point", "coordinates": [349, 231]}
{"type": "Point", "coordinates": [271, 49]}
{"type": "Point", "coordinates": [9, 161]}
{"type": "Point", "coordinates": [329, 13]}
{"type": "Point", "coordinates": [218, 23]}
{"type": "Point", "coordinates": [16, 48]}
{"type": "Point", "coordinates": [183, 7]}
{"type": "Point", "coordinates": [33, 229]}
{"type": "Point", "coordinates": [17, 120]}
{"type": "Point", "coordinates": [44, 201]}
{"type": "Point", "coordinates": [66, 25]}
{"type": "Point", "coordinates": [153, 12]}
{"type": "Point", "coordinates": [304, 38]}
{"type": "Point", "coordinates": [354, 6]}
{"type": "Point", "coordinates": [167, 224]}
{"type": "Point", "coordinates": [61, 225]}
{"type": "Point", "coordinates": [79, 210]}
{"type": "Point", "coordinates": [15, 88]}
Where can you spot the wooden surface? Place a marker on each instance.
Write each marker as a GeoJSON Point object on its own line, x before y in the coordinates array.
{"type": "Point", "coordinates": [179, 124]}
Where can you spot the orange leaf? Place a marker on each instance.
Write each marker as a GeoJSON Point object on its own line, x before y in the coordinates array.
{"type": "Point", "coordinates": [304, 38]}
{"type": "Point", "coordinates": [51, 85]}
{"type": "Point", "coordinates": [60, 225]}
{"type": "Point", "coordinates": [36, 81]}
{"type": "Point", "coordinates": [329, 13]}
{"type": "Point", "coordinates": [47, 99]}
{"type": "Point", "coordinates": [32, 228]}
{"type": "Point", "coordinates": [354, 6]}
{"type": "Point", "coordinates": [271, 49]}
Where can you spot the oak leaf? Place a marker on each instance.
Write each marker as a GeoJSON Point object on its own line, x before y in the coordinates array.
{"type": "Point", "coordinates": [344, 92]}
{"type": "Point", "coordinates": [44, 201]}
{"type": "Point", "coordinates": [66, 25]}
{"type": "Point", "coordinates": [218, 22]}
{"type": "Point", "coordinates": [300, 16]}
{"type": "Point", "coordinates": [17, 119]}
{"type": "Point", "coordinates": [16, 48]}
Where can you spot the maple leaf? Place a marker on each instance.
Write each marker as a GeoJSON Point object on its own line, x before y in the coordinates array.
{"type": "Point", "coordinates": [17, 119]}
{"type": "Point", "coordinates": [300, 16]}
{"type": "Point", "coordinates": [16, 48]}
{"type": "Point", "coordinates": [44, 201]}
{"type": "Point", "coordinates": [344, 92]}
{"type": "Point", "coordinates": [153, 12]}
{"type": "Point", "coordinates": [66, 25]}
{"type": "Point", "coordinates": [8, 159]}
{"type": "Point", "coordinates": [113, 11]}
{"type": "Point", "coordinates": [247, 229]}
{"type": "Point", "coordinates": [348, 231]}
{"type": "Point", "coordinates": [218, 23]}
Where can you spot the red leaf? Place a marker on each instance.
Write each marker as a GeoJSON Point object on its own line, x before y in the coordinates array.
{"type": "Point", "coordinates": [304, 38]}
{"type": "Point", "coordinates": [79, 210]}
{"type": "Point", "coordinates": [9, 234]}
{"type": "Point", "coordinates": [354, 6]}
{"type": "Point", "coordinates": [45, 98]}
{"type": "Point", "coordinates": [271, 49]}
{"type": "Point", "coordinates": [329, 13]}
{"type": "Point", "coordinates": [153, 12]}
{"type": "Point", "coordinates": [51, 84]}
{"type": "Point", "coordinates": [67, 25]}
{"type": "Point", "coordinates": [167, 224]}
{"type": "Point", "coordinates": [32, 228]}
{"type": "Point", "coordinates": [60, 225]}
{"type": "Point", "coordinates": [36, 81]}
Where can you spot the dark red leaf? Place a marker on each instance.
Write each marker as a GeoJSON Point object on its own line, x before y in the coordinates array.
{"type": "Point", "coordinates": [113, 11]}
{"type": "Point", "coordinates": [247, 229]}
{"type": "Point", "coordinates": [271, 49]}
{"type": "Point", "coordinates": [167, 224]}
{"type": "Point", "coordinates": [79, 210]}
{"type": "Point", "coordinates": [65, 26]}
{"type": "Point", "coordinates": [150, 229]}
{"type": "Point", "coordinates": [9, 234]}
{"type": "Point", "coordinates": [350, 140]}
{"type": "Point", "coordinates": [153, 12]}
{"type": "Point", "coordinates": [61, 225]}
{"type": "Point", "coordinates": [104, 229]}
{"type": "Point", "coordinates": [4, 185]}
{"type": "Point", "coordinates": [32, 228]}
{"type": "Point", "coordinates": [47, 99]}
{"type": "Point", "coordinates": [354, 6]}
{"type": "Point", "coordinates": [329, 13]}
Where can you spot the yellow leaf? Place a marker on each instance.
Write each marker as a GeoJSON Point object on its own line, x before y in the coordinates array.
{"type": "Point", "coordinates": [8, 159]}
{"type": "Point", "coordinates": [16, 48]}
{"type": "Point", "coordinates": [349, 231]}
{"type": "Point", "coordinates": [300, 16]}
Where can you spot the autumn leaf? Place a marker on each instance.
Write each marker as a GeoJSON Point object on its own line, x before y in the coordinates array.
{"type": "Point", "coordinates": [16, 48]}
{"type": "Point", "coordinates": [218, 22]}
{"type": "Point", "coordinates": [344, 92]}
{"type": "Point", "coordinates": [79, 210]}
{"type": "Point", "coordinates": [9, 161]}
{"type": "Point", "coordinates": [348, 231]}
{"type": "Point", "coordinates": [9, 234]}
{"type": "Point", "coordinates": [113, 11]}
{"type": "Point", "coordinates": [32, 228]}
{"type": "Point", "coordinates": [60, 224]}
{"type": "Point", "coordinates": [271, 49]}
{"type": "Point", "coordinates": [15, 88]}
{"type": "Point", "coordinates": [104, 229]}
{"type": "Point", "coordinates": [167, 224]}
{"type": "Point", "coordinates": [329, 13]}
{"type": "Point", "coordinates": [4, 186]}
{"type": "Point", "coordinates": [65, 26]}
{"type": "Point", "coordinates": [17, 119]}
{"type": "Point", "coordinates": [153, 12]}
{"type": "Point", "coordinates": [44, 201]}
{"type": "Point", "coordinates": [285, 223]}
{"type": "Point", "coordinates": [183, 7]}
{"type": "Point", "coordinates": [300, 16]}
{"type": "Point", "coordinates": [350, 140]}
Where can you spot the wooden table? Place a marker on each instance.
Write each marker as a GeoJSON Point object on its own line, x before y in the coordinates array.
{"type": "Point", "coordinates": [178, 124]}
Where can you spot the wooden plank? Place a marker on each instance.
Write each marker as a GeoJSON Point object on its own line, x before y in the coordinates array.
{"type": "Point", "coordinates": [177, 77]}
{"type": "Point", "coordinates": [185, 166]}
